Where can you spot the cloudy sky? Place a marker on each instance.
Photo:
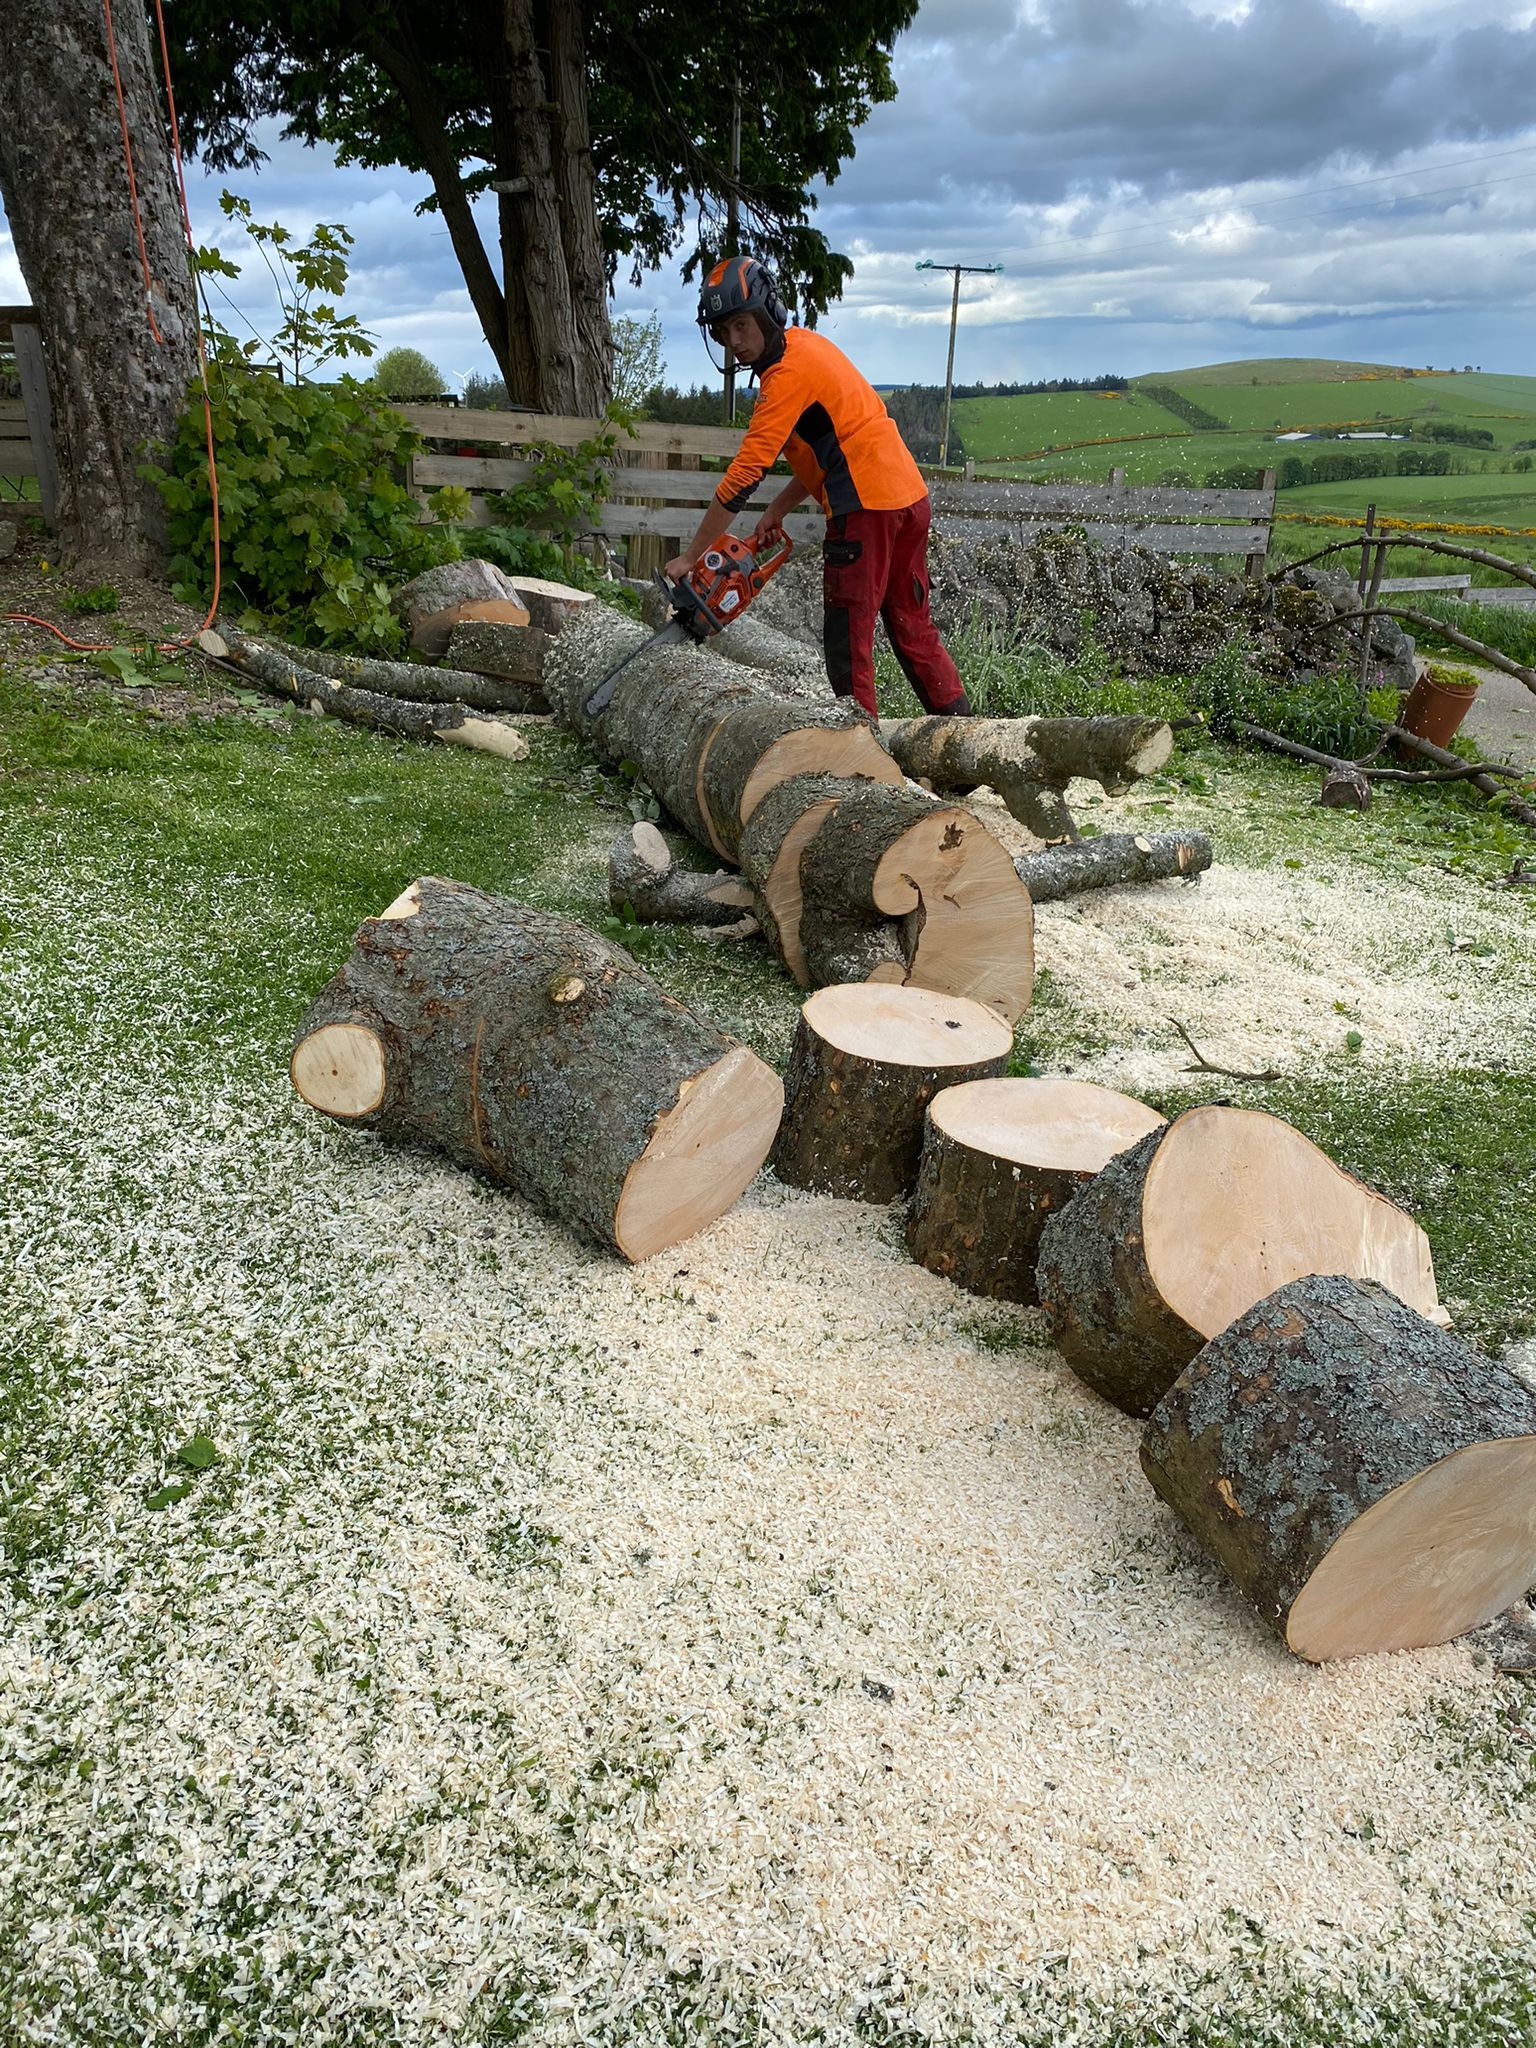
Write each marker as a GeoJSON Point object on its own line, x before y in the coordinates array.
{"type": "Point", "coordinates": [1165, 183]}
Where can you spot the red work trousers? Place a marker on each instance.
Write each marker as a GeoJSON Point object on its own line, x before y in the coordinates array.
{"type": "Point", "coordinates": [876, 564]}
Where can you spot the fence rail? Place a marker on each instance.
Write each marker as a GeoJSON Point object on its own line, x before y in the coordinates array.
{"type": "Point", "coordinates": [657, 502]}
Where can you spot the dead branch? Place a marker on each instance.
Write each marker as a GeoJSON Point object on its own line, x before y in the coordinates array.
{"type": "Point", "coordinates": [1204, 1066]}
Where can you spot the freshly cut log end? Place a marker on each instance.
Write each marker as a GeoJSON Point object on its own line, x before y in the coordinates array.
{"type": "Point", "coordinates": [702, 1156]}
{"type": "Point", "coordinates": [432, 604]}
{"type": "Point", "coordinates": [341, 1069]}
{"type": "Point", "coordinates": [763, 742]}
{"type": "Point", "coordinates": [967, 925]}
{"type": "Point", "coordinates": [1368, 1482]}
{"type": "Point", "coordinates": [1181, 1234]}
{"type": "Point", "coordinates": [866, 1062]}
{"type": "Point", "coordinates": [1000, 1157]}
{"type": "Point", "coordinates": [526, 1047]}
{"type": "Point", "coordinates": [781, 827]}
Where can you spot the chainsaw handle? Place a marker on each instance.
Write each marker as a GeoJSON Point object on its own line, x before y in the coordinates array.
{"type": "Point", "coordinates": [767, 562]}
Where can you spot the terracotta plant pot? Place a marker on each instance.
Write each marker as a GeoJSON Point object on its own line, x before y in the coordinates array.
{"type": "Point", "coordinates": [1436, 705]}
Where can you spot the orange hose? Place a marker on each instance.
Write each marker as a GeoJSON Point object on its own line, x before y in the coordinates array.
{"type": "Point", "coordinates": [28, 618]}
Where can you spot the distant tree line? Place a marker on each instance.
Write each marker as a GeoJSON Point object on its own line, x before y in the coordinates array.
{"type": "Point", "coordinates": [1107, 382]}
{"type": "Point", "coordinates": [1183, 408]}
{"type": "Point", "coordinates": [1466, 437]}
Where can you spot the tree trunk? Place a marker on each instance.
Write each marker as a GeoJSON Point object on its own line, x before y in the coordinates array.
{"type": "Point", "coordinates": [1367, 1482]}
{"type": "Point", "coordinates": [558, 347]}
{"type": "Point", "coordinates": [670, 707]}
{"type": "Point", "coordinates": [1112, 858]}
{"type": "Point", "coordinates": [1029, 761]}
{"type": "Point", "coordinates": [866, 1063]}
{"type": "Point", "coordinates": [1189, 1228]}
{"type": "Point", "coordinates": [114, 388]}
{"type": "Point", "coordinates": [999, 1159]}
{"type": "Point", "coordinates": [527, 1047]}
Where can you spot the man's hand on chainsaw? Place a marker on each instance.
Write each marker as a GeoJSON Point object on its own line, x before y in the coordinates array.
{"type": "Point", "coordinates": [766, 534]}
{"type": "Point", "coordinates": [677, 569]}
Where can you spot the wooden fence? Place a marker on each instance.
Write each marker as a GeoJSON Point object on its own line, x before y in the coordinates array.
{"type": "Point", "coordinates": [660, 488]}
{"type": "Point", "coordinates": [26, 424]}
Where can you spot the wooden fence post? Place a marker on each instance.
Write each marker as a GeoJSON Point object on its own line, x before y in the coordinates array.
{"type": "Point", "coordinates": [1253, 568]}
{"type": "Point", "coordinates": [27, 339]}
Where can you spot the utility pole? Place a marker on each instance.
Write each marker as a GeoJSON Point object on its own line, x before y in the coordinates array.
{"type": "Point", "coordinates": [732, 236]}
{"type": "Point", "coordinates": [959, 270]}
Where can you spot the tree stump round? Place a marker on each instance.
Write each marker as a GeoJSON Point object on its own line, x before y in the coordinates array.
{"type": "Point", "coordinates": [1368, 1482]}
{"type": "Point", "coordinates": [1180, 1235]}
{"type": "Point", "coordinates": [999, 1158]}
{"type": "Point", "coordinates": [867, 1061]}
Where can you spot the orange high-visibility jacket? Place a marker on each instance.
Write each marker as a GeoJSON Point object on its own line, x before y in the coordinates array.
{"type": "Point", "coordinates": [816, 410]}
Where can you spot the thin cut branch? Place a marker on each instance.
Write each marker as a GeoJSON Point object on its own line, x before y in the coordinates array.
{"type": "Point", "coordinates": [1203, 1065]}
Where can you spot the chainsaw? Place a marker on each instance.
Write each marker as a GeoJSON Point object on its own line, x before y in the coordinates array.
{"type": "Point", "coordinates": [714, 593]}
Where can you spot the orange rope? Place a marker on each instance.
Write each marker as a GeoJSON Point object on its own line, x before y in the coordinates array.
{"type": "Point", "coordinates": [27, 618]}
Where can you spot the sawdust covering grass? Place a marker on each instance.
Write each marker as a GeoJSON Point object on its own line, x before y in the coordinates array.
{"type": "Point", "coordinates": [770, 1643]}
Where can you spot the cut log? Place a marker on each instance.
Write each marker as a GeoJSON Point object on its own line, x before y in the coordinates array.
{"type": "Point", "coordinates": [865, 1064]}
{"type": "Point", "coordinates": [549, 604]}
{"type": "Point", "coordinates": [1184, 1232]}
{"type": "Point", "coordinates": [286, 675]}
{"type": "Point", "coordinates": [643, 875]}
{"type": "Point", "coordinates": [431, 605]}
{"type": "Point", "coordinates": [1109, 860]}
{"type": "Point", "coordinates": [525, 1046]}
{"type": "Point", "coordinates": [1366, 1481]}
{"type": "Point", "coordinates": [768, 741]}
{"type": "Point", "coordinates": [1000, 1158]}
{"type": "Point", "coordinates": [1029, 761]}
{"type": "Point", "coordinates": [967, 925]}
{"type": "Point", "coordinates": [777, 834]}
{"type": "Point", "coordinates": [511, 653]}
{"type": "Point", "coordinates": [668, 709]}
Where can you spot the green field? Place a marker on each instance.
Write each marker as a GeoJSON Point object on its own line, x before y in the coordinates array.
{"type": "Point", "coordinates": [1081, 436]}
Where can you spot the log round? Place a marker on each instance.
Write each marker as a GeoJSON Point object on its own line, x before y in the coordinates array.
{"type": "Point", "coordinates": [432, 604]}
{"type": "Point", "coordinates": [999, 1159]}
{"type": "Point", "coordinates": [1368, 1482]}
{"type": "Point", "coordinates": [772, 841]}
{"type": "Point", "coordinates": [761, 744]}
{"type": "Point", "coordinates": [525, 1046]}
{"type": "Point", "coordinates": [865, 1064]}
{"type": "Point", "coordinates": [1181, 1234]}
{"type": "Point", "coordinates": [967, 925]}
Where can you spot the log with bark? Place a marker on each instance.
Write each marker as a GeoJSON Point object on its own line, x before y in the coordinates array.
{"type": "Point", "coordinates": [671, 711]}
{"type": "Point", "coordinates": [286, 675]}
{"type": "Point", "coordinates": [523, 1045]}
{"type": "Point", "coordinates": [899, 887]}
{"type": "Point", "coordinates": [432, 604]}
{"type": "Point", "coordinates": [999, 1159]}
{"type": "Point", "coordinates": [1189, 1228]}
{"type": "Point", "coordinates": [511, 654]}
{"type": "Point", "coordinates": [643, 877]}
{"type": "Point", "coordinates": [1366, 1481]}
{"type": "Point", "coordinates": [772, 842]}
{"type": "Point", "coordinates": [1111, 859]}
{"type": "Point", "coordinates": [414, 681]}
{"type": "Point", "coordinates": [865, 1064]}
{"type": "Point", "coordinates": [1029, 761]}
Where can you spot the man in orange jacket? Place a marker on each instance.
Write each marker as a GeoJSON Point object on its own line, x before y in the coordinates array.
{"type": "Point", "coordinates": [844, 448]}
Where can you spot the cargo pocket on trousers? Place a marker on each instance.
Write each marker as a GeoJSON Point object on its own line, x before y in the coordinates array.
{"type": "Point", "coordinates": [841, 582]}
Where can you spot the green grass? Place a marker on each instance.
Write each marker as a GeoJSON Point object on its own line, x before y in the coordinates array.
{"type": "Point", "coordinates": [1006, 429]}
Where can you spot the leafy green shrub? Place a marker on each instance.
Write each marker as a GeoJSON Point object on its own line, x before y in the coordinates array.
{"type": "Point", "coordinates": [406, 374]}
{"type": "Point", "coordinates": [316, 523]}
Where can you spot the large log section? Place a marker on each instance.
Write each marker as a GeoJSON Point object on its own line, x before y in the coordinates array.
{"type": "Point", "coordinates": [896, 885]}
{"type": "Point", "coordinates": [1189, 1228]}
{"type": "Point", "coordinates": [526, 1046]}
{"type": "Point", "coordinates": [999, 1159]}
{"type": "Point", "coordinates": [865, 1064]}
{"type": "Point", "coordinates": [1368, 1482]}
